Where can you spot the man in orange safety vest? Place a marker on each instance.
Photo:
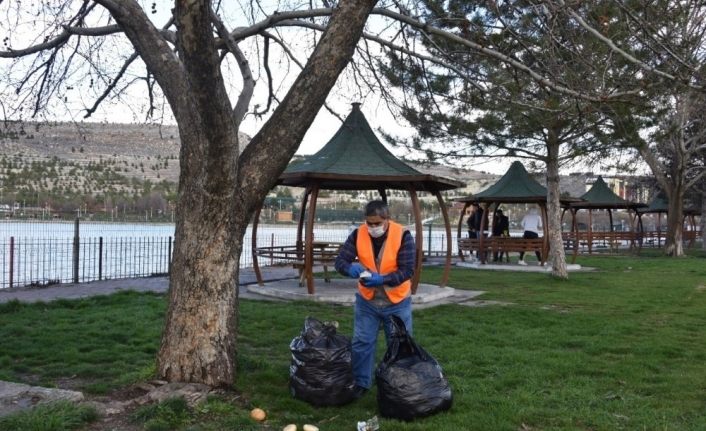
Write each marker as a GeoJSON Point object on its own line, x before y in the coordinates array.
{"type": "Point", "coordinates": [385, 252]}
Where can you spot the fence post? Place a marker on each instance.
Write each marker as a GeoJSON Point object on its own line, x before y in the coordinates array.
{"type": "Point", "coordinates": [100, 258]}
{"type": "Point", "coordinates": [76, 250]}
{"type": "Point", "coordinates": [272, 249]}
{"type": "Point", "coordinates": [429, 241]}
{"type": "Point", "coordinates": [169, 258]}
{"type": "Point", "coordinates": [12, 259]}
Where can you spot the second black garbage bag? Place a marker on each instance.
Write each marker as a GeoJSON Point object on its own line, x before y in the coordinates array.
{"type": "Point", "coordinates": [320, 372]}
{"type": "Point", "coordinates": [410, 381]}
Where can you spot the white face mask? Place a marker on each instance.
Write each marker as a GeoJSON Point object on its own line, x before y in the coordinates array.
{"type": "Point", "coordinates": [377, 231]}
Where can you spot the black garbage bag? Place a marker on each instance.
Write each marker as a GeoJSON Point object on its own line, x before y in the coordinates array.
{"type": "Point", "coordinates": [321, 372]}
{"type": "Point", "coordinates": [410, 382]}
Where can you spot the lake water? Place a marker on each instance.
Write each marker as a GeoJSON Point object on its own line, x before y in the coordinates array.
{"type": "Point", "coordinates": [42, 252]}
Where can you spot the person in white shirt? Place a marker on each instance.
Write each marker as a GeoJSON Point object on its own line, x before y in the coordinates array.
{"type": "Point", "coordinates": [532, 224]}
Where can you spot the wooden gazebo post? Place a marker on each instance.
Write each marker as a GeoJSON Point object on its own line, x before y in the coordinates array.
{"type": "Point", "coordinates": [545, 232]}
{"type": "Point", "coordinates": [419, 243]}
{"type": "Point", "coordinates": [460, 226]}
{"type": "Point", "coordinates": [309, 242]}
{"type": "Point", "coordinates": [449, 249]}
{"type": "Point", "coordinates": [692, 225]}
{"type": "Point", "coordinates": [300, 225]}
{"type": "Point", "coordinates": [590, 230]}
{"type": "Point", "coordinates": [575, 229]}
{"type": "Point", "coordinates": [481, 237]}
{"type": "Point", "coordinates": [255, 263]}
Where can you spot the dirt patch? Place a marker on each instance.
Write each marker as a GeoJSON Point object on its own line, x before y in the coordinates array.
{"type": "Point", "coordinates": [115, 409]}
{"type": "Point", "coordinates": [73, 383]}
{"type": "Point", "coordinates": [121, 422]}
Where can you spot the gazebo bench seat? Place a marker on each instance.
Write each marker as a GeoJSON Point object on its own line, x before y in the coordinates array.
{"type": "Point", "coordinates": [503, 244]}
{"type": "Point", "coordinates": [612, 239]}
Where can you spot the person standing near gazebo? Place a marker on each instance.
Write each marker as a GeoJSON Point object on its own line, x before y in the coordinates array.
{"type": "Point", "coordinates": [387, 251]}
{"type": "Point", "coordinates": [532, 224]}
{"type": "Point", "coordinates": [501, 228]}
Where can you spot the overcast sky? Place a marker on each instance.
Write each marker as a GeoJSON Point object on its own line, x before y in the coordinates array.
{"type": "Point", "coordinates": [132, 105]}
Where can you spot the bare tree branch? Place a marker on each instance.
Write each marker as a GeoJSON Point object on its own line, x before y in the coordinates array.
{"type": "Point", "coordinates": [154, 50]}
{"type": "Point", "coordinates": [245, 96]}
{"type": "Point", "coordinates": [271, 93]}
{"type": "Point", "coordinates": [58, 41]}
{"type": "Point", "coordinates": [54, 43]}
{"type": "Point", "coordinates": [112, 85]}
{"type": "Point", "coordinates": [93, 31]}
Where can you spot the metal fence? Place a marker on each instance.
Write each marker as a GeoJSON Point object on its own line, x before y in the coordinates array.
{"type": "Point", "coordinates": [29, 261]}
{"type": "Point", "coordinates": [44, 253]}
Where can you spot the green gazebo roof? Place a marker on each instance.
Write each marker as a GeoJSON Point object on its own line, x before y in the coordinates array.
{"type": "Point", "coordinates": [600, 196]}
{"type": "Point", "coordinates": [354, 159]}
{"type": "Point", "coordinates": [659, 204]}
{"type": "Point", "coordinates": [516, 186]}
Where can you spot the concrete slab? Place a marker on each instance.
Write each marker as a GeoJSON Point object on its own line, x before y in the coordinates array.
{"type": "Point", "coordinates": [18, 396]}
{"type": "Point", "coordinates": [531, 267]}
{"type": "Point", "coordinates": [339, 291]}
{"type": "Point", "coordinates": [482, 303]}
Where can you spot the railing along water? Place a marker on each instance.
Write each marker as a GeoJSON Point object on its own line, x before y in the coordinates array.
{"type": "Point", "coordinates": [50, 252]}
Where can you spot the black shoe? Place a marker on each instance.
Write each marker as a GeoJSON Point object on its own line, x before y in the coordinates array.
{"type": "Point", "coordinates": [359, 391]}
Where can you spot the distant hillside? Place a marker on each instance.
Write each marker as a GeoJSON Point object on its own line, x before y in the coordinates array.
{"type": "Point", "coordinates": [136, 166]}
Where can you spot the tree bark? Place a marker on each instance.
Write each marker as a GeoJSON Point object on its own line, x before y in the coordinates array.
{"type": "Point", "coordinates": [674, 244]}
{"type": "Point", "coordinates": [703, 218]}
{"type": "Point", "coordinates": [219, 191]}
{"type": "Point", "coordinates": [672, 179]}
{"type": "Point", "coordinates": [556, 243]}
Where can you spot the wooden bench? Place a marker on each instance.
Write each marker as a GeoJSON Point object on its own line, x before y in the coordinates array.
{"type": "Point", "coordinates": [691, 236]}
{"type": "Point", "coordinates": [323, 253]}
{"type": "Point", "coordinates": [588, 239]}
{"type": "Point", "coordinates": [502, 245]}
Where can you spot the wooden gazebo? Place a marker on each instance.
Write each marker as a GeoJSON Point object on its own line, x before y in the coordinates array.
{"type": "Point", "coordinates": [516, 186]}
{"type": "Point", "coordinates": [659, 205]}
{"type": "Point", "coordinates": [601, 197]}
{"type": "Point", "coordinates": [354, 159]}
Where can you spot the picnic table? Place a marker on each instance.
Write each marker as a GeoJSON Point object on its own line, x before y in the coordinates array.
{"type": "Point", "coordinates": [323, 253]}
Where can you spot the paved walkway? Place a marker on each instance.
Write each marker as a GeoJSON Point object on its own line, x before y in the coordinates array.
{"type": "Point", "coordinates": [149, 284]}
{"type": "Point", "coordinates": [280, 285]}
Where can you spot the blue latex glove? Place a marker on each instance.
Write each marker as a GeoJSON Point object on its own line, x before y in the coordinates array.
{"type": "Point", "coordinates": [374, 280]}
{"type": "Point", "coordinates": [355, 269]}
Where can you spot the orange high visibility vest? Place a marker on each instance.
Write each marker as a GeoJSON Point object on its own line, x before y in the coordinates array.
{"type": "Point", "coordinates": [388, 263]}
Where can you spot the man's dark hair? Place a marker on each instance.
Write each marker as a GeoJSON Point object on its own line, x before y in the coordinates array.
{"type": "Point", "coordinates": [377, 208]}
{"type": "Point", "coordinates": [500, 212]}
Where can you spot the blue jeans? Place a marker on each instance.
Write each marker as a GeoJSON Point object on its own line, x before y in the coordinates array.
{"type": "Point", "coordinates": [366, 323]}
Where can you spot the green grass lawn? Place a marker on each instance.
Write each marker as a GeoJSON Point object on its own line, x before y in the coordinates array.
{"type": "Point", "coordinates": [623, 347]}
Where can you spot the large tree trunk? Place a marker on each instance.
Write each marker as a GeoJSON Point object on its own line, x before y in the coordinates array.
{"type": "Point", "coordinates": [675, 190]}
{"type": "Point", "coordinates": [198, 341]}
{"type": "Point", "coordinates": [703, 218]}
{"type": "Point", "coordinates": [556, 244]}
{"type": "Point", "coordinates": [674, 245]}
